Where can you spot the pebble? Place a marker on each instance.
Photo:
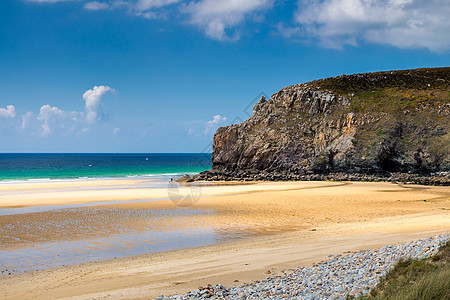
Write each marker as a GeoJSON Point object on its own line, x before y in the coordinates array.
{"type": "Point", "coordinates": [352, 274]}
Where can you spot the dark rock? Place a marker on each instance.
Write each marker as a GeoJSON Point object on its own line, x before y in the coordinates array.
{"type": "Point", "coordinates": [185, 178]}
{"type": "Point", "coordinates": [344, 128]}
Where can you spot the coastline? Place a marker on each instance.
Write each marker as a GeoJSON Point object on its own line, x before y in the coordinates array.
{"type": "Point", "coordinates": [279, 225]}
{"type": "Point", "coordinates": [58, 193]}
{"type": "Point", "coordinates": [437, 178]}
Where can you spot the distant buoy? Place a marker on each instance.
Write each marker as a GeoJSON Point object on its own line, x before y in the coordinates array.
{"type": "Point", "coordinates": [146, 158]}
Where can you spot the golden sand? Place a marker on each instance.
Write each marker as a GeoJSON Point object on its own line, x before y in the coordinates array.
{"type": "Point", "coordinates": [290, 224]}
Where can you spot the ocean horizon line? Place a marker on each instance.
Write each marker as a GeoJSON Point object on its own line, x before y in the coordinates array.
{"type": "Point", "coordinates": [105, 153]}
{"type": "Point", "coordinates": [156, 176]}
{"type": "Point", "coordinates": [87, 166]}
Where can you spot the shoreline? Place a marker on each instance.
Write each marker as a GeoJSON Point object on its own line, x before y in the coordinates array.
{"type": "Point", "coordinates": [156, 176]}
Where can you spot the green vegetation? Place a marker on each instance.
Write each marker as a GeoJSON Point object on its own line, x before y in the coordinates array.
{"type": "Point", "coordinates": [380, 132]}
{"type": "Point", "coordinates": [416, 279]}
{"type": "Point", "coordinates": [391, 91]}
{"type": "Point", "coordinates": [418, 79]}
{"type": "Point", "coordinates": [397, 99]}
{"type": "Point", "coordinates": [440, 143]}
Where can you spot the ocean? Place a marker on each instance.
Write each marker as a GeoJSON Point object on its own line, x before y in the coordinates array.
{"type": "Point", "coordinates": [60, 166]}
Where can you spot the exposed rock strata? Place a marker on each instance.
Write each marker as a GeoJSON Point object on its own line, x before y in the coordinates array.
{"type": "Point", "coordinates": [368, 126]}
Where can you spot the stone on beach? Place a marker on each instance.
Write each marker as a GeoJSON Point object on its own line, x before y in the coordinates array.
{"type": "Point", "coordinates": [351, 275]}
{"type": "Point", "coordinates": [185, 178]}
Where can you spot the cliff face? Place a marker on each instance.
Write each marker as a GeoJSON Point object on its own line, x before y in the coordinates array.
{"type": "Point", "coordinates": [365, 123]}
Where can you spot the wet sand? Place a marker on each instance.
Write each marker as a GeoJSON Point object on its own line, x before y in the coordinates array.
{"type": "Point", "coordinates": [277, 226]}
{"type": "Point", "coordinates": [28, 194]}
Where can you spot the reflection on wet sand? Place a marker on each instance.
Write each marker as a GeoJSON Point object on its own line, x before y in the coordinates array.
{"type": "Point", "coordinates": [81, 223]}
{"type": "Point", "coordinates": [61, 253]}
{"type": "Point", "coordinates": [50, 239]}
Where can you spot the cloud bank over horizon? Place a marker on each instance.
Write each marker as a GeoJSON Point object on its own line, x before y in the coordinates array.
{"type": "Point", "coordinates": [405, 24]}
{"type": "Point", "coordinates": [52, 119]}
{"type": "Point", "coordinates": [57, 122]}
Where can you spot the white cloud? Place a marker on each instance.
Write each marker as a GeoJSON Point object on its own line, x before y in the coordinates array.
{"type": "Point", "coordinates": [26, 120]}
{"type": "Point", "coordinates": [214, 123]}
{"type": "Point", "coordinates": [53, 118]}
{"type": "Point", "coordinates": [333, 23]}
{"type": "Point", "coordinates": [142, 5]}
{"type": "Point", "coordinates": [92, 99]}
{"type": "Point", "coordinates": [218, 18]}
{"type": "Point", "coordinates": [45, 129]}
{"type": "Point", "coordinates": [215, 17]}
{"type": "Point", "coordinates": [8, 112]}
{"type": "Point", "coordinates": [47, 111]}
{"type": "Point", "coordinates": [286, 31]}
{"type": "Point", "coordinates": [95, 5]}
{"type": "Point", "coordinates": [151, 9]}
{"type": "Point", "coordinates": [400, 23]}
{"type": "Point", "coordinates": [148, 9]}
{"type": "Point", "coordinates": [53, 115]}
{"type": "Point", "coordinates": [108, 5]}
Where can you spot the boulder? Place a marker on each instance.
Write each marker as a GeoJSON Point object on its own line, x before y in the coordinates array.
{"type": "Point", "coordinates": [185, 178]}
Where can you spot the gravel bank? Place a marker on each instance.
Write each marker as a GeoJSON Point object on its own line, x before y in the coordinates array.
{"type": "Point", "coordinates": [347, 274]}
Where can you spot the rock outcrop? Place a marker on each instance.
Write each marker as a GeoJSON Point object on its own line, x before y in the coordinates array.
{"type": "Point", "coordinates": [185, 179]}
{"type": "Point", "coordinates": [371, 124]}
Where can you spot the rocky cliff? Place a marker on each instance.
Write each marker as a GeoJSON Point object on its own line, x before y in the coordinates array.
{"type": "Point", "coordinates": [373, 123]}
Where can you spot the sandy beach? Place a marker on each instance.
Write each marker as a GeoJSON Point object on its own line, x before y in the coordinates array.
{"type": "Point", "coordinates": [258, 227]}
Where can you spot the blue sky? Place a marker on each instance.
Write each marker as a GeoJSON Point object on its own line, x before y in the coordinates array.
{"type": "Point", "coordinates": [162, 75]}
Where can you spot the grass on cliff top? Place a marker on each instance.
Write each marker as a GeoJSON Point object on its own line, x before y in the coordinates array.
{"type": "Point", "coordinates": [391, 91]}
{"type": "Point", "coordinates": [417, 79]}
{"type": "Point", "coordinates": [416, 279]}
{"type": "Point", "coordinates": [396, 99]}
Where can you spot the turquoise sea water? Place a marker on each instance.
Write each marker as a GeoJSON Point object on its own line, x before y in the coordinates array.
{"type": "Point", "coordinates": [40, 166]}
